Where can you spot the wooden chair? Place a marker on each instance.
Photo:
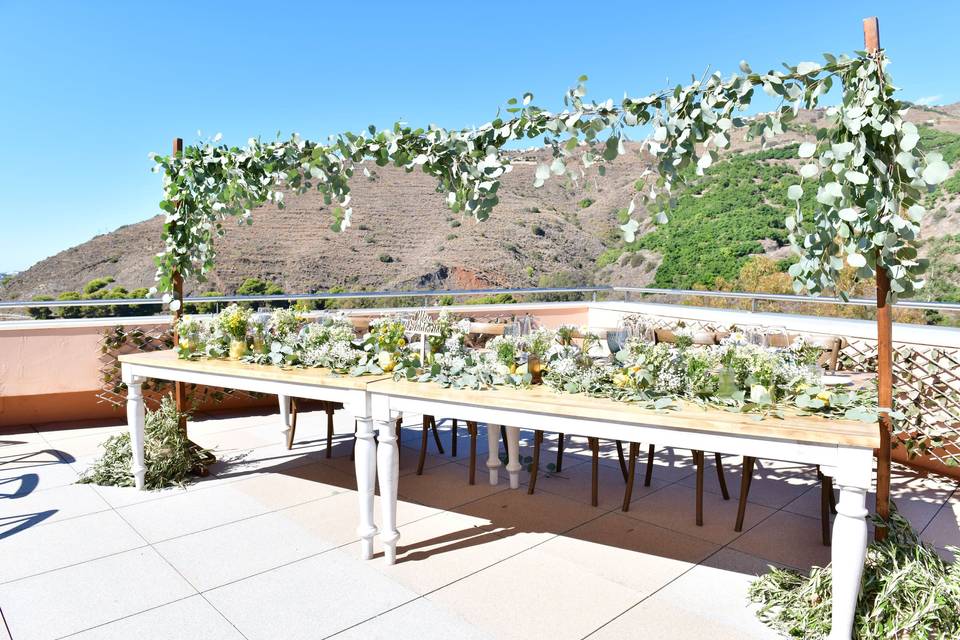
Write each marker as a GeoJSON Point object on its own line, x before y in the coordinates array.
{"type": "Point", "coordinates": [484, 330]}
{"type": "Point", "coordinates": [699, 457]}
{"type": "Point", "coordinates": [831, 347]}
{"type": "Point", "coordinates": [329, 408]}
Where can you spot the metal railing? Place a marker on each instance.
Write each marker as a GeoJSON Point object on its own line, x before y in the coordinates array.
{"type": "Point", "coordinates": [428, 294]}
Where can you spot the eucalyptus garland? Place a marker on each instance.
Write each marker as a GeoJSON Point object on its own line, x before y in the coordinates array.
{"type": "Point", "coordinates": [867, 170]}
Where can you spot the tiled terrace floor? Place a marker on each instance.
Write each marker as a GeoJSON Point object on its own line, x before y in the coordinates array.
{"type": "Point", "coordinates": [265, 548]}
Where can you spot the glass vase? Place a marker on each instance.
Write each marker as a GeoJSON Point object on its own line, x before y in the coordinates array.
{"type": "Point", "coordinates": [238, 349]}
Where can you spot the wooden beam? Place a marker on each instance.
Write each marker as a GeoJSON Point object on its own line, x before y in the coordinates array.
{"type": "Point", "coordinates": [871, 42]}
{"type": "Point", "coordinates": [179, 389]}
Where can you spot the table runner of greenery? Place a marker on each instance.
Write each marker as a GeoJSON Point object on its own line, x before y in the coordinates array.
{"type": "Point", "coordinates": [734, 374]}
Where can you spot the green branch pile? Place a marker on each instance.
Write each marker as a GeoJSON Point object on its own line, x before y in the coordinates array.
{"type": "Point", "coordinates": [909, 593]}
{"type": "Point", "coordinates": [169, 455]}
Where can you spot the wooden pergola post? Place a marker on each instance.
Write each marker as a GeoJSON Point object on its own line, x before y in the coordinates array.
{"type": "Point", "coordinates": [871, 42]}
{"type": "Point", "coordinates": [179, 390]}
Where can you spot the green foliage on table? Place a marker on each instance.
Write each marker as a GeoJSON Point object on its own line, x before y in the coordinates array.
{"type": "Point", "coordinates": [908, 592]}
{"type": "Point", "coordinates": [168, 455]}
{"type": "Point", "coordinates": [234, 320]}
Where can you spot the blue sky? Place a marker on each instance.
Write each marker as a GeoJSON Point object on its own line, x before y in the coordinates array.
{"type": "Point", "coordinates": [87, 89]}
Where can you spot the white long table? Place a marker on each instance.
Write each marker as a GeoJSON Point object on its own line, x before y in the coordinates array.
{"type": "Point", "coordinates": [843, 449]}
{"type": "Point", "coordinates": [316, 384]}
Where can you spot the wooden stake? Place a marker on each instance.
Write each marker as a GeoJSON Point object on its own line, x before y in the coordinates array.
{"type": "Point", "coordinates": [871, 42]}
{"type": "Point", "coordinates": [179, 389]}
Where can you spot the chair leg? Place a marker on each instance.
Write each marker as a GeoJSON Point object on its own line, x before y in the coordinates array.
{"type": "Point", "coordinates": [623, 463]}
{"type": "Point", "coordinates": [648, 475]}
{"type": "Point", "coordinates": [745, 480]}
{"type": "Point", "coordinates": [453, 441]}
{"type": "Point", "coordinates": [595, 468]}
{"type": "Point", "coordinates": [329, 409]}
{"type": "Point", "coordinates": [718, 459]}
{"type": "Point", "coordinates": [560, 442]}
{"type": "Point", "coordinates": [436, 436]}
{"type": "Point", "coordinates": [826, 490]}
{"type": "Point", "coordinates": [423, 445]}
{"type": "Point", "coordinates": [472, 430]}
{"type": "Point", "coordinates": [832, 499]}
{"type": "Point", "coordinates": [353, 448]}
{"type": "Point", "coordinates": [535, 467]}
{"type": "Point", "coordinates": [293, 422]}
{"type": "Point", "coordinates": [399, 437]}
{"type": "Point", "coordinates": [698, 459]}
{"type": "Point", "coordinates": [631, 470]}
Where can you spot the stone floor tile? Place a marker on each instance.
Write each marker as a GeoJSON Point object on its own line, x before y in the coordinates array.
{"type": "Point", "coordinates": [65, 543]}
{"type": "Point", "coordinates": [198, 510]}
{"type": "Point", "coordinates": [536, 592]}
{"type": "Point", "coordinates": [214, 557]}
{"type": "Point", "coordinates": [785, 538]}
{"type": "Point", "coordinates": [185, 619]}
{"type": "Point", "coordinates": [944, 529]}
{"type": "Point", "coordinates": [575, 482]}
{"type": "Point", "coordinates": [709, 602]}
{"type": "Point", "coordinates": [421, 619]}
{"type": "Point", "coordinates": [640, 556]}
{"type": "Point", "coordinates": [538, 517]}
{"type": "Point", "coordinates": [33, 467]}
{"type": "Point", "coordinates": [447, 486]}
{"type": "Point", "coordinates": [439, 550]}
{"type": "Point", "coordinates": [124, 496]}
{"type": "Point", "coordinates": [674, 507]}
{"type": "Point", "coordinates": [774, 485]}
{"type": "Point", "coordinates": [309, 599]}
{"type": "Point", "coordinates": [38, 508]}
{"type": "Point", "coordinates": [54, 432]}
{"type": "Point", "coordinates": [57, 603]}
{"type": "Point", "coordinates": [19, 435]}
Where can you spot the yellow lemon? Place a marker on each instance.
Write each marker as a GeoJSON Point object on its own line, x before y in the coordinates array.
{"type": "Point", "coordinates": [621, 379]}
{"type": "Point", "coordinates": [825, 396]}
{"type": "Point", "coordinates": [513, 368]}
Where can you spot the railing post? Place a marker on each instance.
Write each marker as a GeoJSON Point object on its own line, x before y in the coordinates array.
{"type": "Point", "coordinates": [753, 305]}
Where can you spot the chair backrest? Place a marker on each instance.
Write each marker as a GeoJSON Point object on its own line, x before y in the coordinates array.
{"type": "Point", "coordinates": [699, 337]}
{"type": "Point", "coordinates": [487, 328]}
{"type": "Point", "coordinates": [831, 346]}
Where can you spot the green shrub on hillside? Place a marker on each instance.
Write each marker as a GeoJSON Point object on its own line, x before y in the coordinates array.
{"type": "Point", "coordinates": [257, 287]}
{"type": "Point", "coordinates": [720, 220]}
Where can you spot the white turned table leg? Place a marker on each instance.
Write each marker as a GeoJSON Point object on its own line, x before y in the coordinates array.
{"type": "Point", "coordinates": [849, 541]}
{"type": "Point", "coordinates": [513, 456]}
{"type": "Point", "coordinates": [493, 452]}
{"type": "Point", "coordinates": [365, 463]}
{"type": "Point", "coordinates": [285, 416]}
{"type": "Point", "coordinates": [135, 419]}
{"type": "Point", "coordinates": [388, 471]}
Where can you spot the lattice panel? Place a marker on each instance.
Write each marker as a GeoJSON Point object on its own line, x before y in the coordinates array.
{"type": "Point", "coordinates": [926, 381]}
{"type": "Point", "coordinates": [121, 340]}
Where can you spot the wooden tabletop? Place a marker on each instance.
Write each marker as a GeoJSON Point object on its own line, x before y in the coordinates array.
{"type": "Point", "coordinates": [542, 399]}
{"type": "Point", "coordinates": [168, 359]}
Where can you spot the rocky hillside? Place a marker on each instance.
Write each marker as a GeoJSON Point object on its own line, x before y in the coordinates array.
{"type": "Point", "coordinates": [405, 238]}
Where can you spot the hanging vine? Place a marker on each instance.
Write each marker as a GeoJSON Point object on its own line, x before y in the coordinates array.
{"type": "Point", "coordinates": [867, 170]}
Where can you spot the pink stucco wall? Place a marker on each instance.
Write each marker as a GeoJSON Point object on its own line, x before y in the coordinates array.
{"type": "Point", "coordinates": [50, 370]}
